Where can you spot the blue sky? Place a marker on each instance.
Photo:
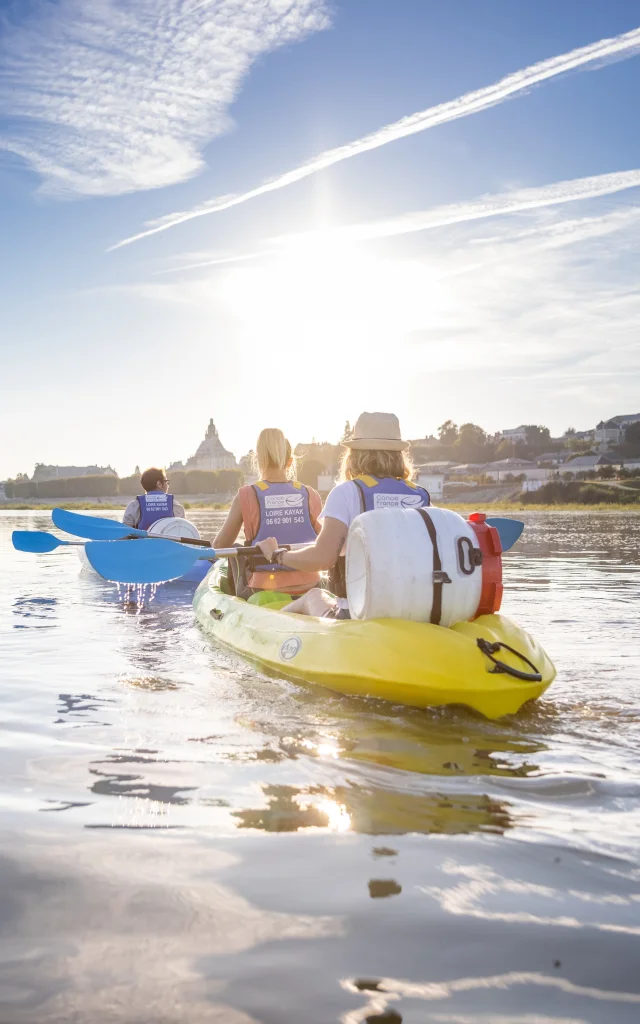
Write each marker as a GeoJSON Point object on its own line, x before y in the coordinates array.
{"type": "Point", "coordinates": [483, 267]}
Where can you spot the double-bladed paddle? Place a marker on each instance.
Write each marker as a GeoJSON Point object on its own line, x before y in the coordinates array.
{"type": "Point", "coordinates": [510, 530]}
{"type": "Point", "coordinates": [38, 542]}
{"type": "Point", "coordinates": [96, 528]}
{"type": "Point", "coordinates": [92, 527]}
{"type": "Point", "coordinates": [165, 560]}
{"type": "Point", "coordinates": [156, 561]}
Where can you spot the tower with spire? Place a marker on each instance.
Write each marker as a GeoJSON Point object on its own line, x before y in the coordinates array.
{"type": "Point", "coordinates": [211, 454]}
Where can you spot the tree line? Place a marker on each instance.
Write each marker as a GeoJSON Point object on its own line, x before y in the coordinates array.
{"type": "Point", "coordinates": [192, 481]}
{"type": "Point", "coordinates": [470, 443]}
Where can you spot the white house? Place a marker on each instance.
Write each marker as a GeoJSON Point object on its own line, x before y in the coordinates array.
{"type": "Point", "coordinates": [42, 472]}
{"type": "Point", "coordinates": [612, 432]}
{"type": "Point", "coordinates": [552, 458]}
{"type": "Point", "coordinates": [584, 463]}
{"type": "Point", "coordinates": [498, 471]}
{"type": "Point", "coordinates": [467, 469]}
{"type": "Point", "coordinates": [514, 435]}
{"type": "Point", "coordinates": [432, 482]}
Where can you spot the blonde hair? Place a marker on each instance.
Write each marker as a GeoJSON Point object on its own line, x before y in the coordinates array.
{"type": "Point", "coordinates": [273, 451]}
{"type": "Point", "coordinates": [369, 462]}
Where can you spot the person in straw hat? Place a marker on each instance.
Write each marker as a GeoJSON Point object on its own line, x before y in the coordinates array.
{"type": "Point", "coordinates": [375, 472]}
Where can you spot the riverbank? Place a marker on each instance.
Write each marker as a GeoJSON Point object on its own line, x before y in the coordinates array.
{"type": "Point", "coordinates": [509, 507]}
{"type": "Point", "coordinates": [517, 506]}
{"type": "Point", "coordinates": [103, 506]}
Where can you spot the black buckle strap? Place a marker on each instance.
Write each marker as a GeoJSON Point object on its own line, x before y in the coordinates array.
{"type": "Point", "coordinates": [439, 575]}
{"type": "Point", "coordinates": [501, 666]}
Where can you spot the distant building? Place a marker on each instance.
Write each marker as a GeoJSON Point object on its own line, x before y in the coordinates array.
{"type": "Point", "coordinates": [317, 464]}
{"type": "Point", "coordinates": [552, 458]}
{"type": "Point", "coordinates": [249, 472]}
{"type": "Point", "coordinates": [211, 454]}
{"type": "Point", "coordinates": [43, 472]}
{"type": "Point", "coordinates": [583, 463]}
{"type": "Point", "coordinates": [516, 434]}
{"type": "Point", "coordinates": [3, 493]}
{"type": "Point", "coordinates": [498, 471]}
{"type": "Point", "coordinates": [439, 466]}
{"type": "Point", "coordinates": [613, 431]}
{"type": "Point", "coordinates": [432, 482]}
{"type": "Point", "coordinates": [320, 451]}
{"type": "Point", "coordinates": [466, 469]}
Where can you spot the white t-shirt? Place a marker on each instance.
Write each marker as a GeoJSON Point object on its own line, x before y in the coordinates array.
{"type": "Point", "coordinates": [344, 503]}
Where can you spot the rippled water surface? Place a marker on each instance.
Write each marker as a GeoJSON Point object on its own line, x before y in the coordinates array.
{"type": "Point", "coordinates": [186, 840]}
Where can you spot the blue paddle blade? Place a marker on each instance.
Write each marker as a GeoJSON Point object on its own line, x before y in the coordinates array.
{"type": "Point", "coordinates": [92, 527]}
{"type": "Point", "coordinates": [35, 541]}
{"type": "Point", "coordinates": [145, 561]}
{"type": "Point", "coordinates": [510, 530]}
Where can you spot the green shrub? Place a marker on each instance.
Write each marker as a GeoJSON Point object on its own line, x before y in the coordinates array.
{"type": "Point", "coordinates": [130, 484]}
{"type": "Point", "coordinates": [558, 492]}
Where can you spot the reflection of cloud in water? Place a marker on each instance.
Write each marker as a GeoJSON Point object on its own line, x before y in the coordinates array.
{"type": "Point", "coordinates": [373, 811]}
{"type": "Point", "coordinates": [481, 883]}
{"type": "Point", "coordinates": [111, 933]}
{"type": "Point", "coordinates": [427, 744]}
{"type": "Point", "coordinates": [40, 612]}
{"type": "Point", "coordinates": [79, 705]}
{"type": "Point", "coordinates": [383, 991]}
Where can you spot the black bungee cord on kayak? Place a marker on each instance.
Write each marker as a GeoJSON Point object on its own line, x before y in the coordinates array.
{"type": "Point", "coordinates": [490, 649]}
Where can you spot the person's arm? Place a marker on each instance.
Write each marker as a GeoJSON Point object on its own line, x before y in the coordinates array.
{"type": "Point", "coordinates": [228, 533]}
{"type": "Point", "coordinates": [131, 515]}
{"type": "Point", "coordinates": [178, 510]}
{"type": "Point", "coordinates": [319, 556]}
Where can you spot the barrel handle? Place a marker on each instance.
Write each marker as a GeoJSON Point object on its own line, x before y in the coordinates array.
{"type": "Point", "coordinates": [501, 666]}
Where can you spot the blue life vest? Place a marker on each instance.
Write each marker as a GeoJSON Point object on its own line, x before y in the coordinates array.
{"type": "Point", "coordinates": [153, 506]}
{"type": "Point", "coordinates": [284, 514]}
{"type": "Point", "coordinates": [390, 492]}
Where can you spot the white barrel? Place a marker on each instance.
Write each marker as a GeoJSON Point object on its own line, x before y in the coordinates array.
{"type": "Point", "coordinates": [174, 526]}
{"type": "Point", "coordinates": [390, 566]}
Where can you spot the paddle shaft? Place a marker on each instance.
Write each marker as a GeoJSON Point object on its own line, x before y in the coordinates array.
{"type": "Point", "coordinates": [253, 550]}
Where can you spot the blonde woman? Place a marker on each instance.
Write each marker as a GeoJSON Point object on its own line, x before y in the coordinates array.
{"type": "Point", "coordinates": [279, 507]}
{"type": "Point", "coordinates": [376, 473]}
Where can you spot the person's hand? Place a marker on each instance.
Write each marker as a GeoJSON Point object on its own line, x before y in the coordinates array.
{"type": "Point", "coordinates": [268, 546]}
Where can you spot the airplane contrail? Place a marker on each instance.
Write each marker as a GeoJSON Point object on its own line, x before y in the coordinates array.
{"type": "Point", "coordinates": [486, 206]}
{"type": "Point", "coordinates": [603, 51]}
{"type": "Point", "coordinates": [570, 191]}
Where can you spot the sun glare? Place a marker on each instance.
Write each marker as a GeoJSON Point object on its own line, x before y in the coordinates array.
{"type": "Point", "coordinates": [320, 293]}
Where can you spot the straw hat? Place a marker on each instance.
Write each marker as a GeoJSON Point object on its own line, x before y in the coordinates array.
{"type": "Point", "coordinates": [377, 431]}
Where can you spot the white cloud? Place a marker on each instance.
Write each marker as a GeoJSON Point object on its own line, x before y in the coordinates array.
{"type": "Point", "coordinates": [517, 201]}
{"type": "Point", "coordinates": [545, 309]}
{"type": "Point", "coordinates": [103, 97]}
{"type": "Point", "coordinates": [503, 204]}
{"type": "Point", "coordinates": [603, 51]}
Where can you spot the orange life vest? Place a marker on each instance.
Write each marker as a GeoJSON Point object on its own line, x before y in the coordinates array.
{"type": "Point", "coordinates": [290, 581]}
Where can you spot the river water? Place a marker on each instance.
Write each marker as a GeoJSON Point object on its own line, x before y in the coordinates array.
{"type": "Point", "coordinates": [184, 839]}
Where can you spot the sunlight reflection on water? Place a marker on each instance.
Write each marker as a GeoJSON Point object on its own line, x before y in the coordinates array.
{"type": "Point", "coordinates": [179, 822]}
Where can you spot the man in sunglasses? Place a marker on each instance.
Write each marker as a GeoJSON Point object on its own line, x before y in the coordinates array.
{"type": "Point", "coordinates": [156, 503]}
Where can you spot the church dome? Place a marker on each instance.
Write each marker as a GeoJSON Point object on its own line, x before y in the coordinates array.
{"type": "Point", "coordinates": [211, 453]}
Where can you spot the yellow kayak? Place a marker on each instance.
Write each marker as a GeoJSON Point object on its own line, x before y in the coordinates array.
{"type": "Point", "coordinates": [405, 662]}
